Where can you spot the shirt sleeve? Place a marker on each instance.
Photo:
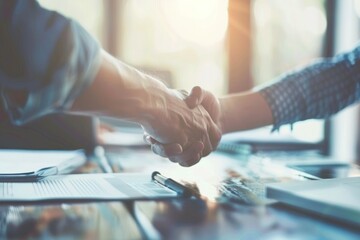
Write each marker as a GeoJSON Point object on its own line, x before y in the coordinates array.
{"type": "Point", "coordinates": [317, 91]}
{"type": "Point", "coordinates": [45, 56]}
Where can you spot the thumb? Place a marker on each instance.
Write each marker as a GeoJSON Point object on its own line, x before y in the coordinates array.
{"type": "Point", "coordinates": [195, 97]}
{"type": "Point", "coordinates": [211, 104]}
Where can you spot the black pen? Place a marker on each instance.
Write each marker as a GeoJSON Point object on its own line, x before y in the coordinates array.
{"type": "Point", "coordinates": [171, 184]}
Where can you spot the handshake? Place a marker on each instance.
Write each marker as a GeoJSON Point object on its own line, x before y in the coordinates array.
{"type": "Point", "coordinates": [185, 135]}
{"type": "Point", "coordinates": [182, 127]}
{"type": "Point", "coordinates": [179, 126]}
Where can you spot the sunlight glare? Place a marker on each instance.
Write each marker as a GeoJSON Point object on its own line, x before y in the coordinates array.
{"type": "Point", "coordinates": [203, 22]}
{"type": "Point", "coordinates": [357, 7]}
{"type": "Point", "coordinates": [262, 13]}
{"type": "Point", "coordinates": [314, 21]}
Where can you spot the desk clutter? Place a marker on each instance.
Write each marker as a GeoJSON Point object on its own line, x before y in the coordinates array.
{"type": "Point", "coordinates": [218, 177]}
{"type": "Point", "coordinates": [231, 204]}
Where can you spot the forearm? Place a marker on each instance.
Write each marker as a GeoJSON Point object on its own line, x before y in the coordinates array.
{"type": "Point", "coordinates": [244, 111]}
{"type": "Point", "coordinates": [318, 90]}
{"type": "Point", "coordinates": [123, 92]}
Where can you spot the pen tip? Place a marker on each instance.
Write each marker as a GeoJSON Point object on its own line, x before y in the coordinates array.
{"type": "Point", "coordinates": [154, 174]}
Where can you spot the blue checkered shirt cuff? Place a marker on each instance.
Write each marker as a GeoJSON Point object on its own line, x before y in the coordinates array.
{"type": "Point", "coordinates": [316, 91]}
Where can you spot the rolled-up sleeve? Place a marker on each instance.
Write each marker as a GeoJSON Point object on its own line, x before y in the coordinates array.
{"type": "Point", "coordinates": [45, 56]}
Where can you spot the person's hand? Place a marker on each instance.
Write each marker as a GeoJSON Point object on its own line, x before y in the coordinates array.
{"type": "Point", "coordinates": [191, 155]}
{"type": "Point", "coordinates": [184, 135]}
{"type": "Point", "coordinates": [123, 92]}
{"type": "Point", "coordinates": [199, 96]}
{"type": "Point", "coordinates": [185, 157]}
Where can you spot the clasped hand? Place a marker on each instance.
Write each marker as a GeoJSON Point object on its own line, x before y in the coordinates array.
{"type": "Point", "coordinates": [186, 132]}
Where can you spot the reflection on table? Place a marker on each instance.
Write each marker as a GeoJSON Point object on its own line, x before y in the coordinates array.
{"type": "Point", "coordinates": [231, 205]}
{"type": "Point", "coordinates": [67, 220]}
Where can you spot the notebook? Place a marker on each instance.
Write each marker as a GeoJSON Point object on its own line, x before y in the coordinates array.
{"type": "Point", "coordinates": [102, 186]}
{"type": "Point", "coordinates": [29, 165]}
{"type": "Point", "coordinates": [336, 198]}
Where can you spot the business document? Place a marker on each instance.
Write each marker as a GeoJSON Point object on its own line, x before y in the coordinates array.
{"type": "Point", "coordinates": [118, 186]}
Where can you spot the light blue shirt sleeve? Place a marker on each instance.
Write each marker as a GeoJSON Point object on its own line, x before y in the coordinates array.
{"type": "Point", "coordinates": [45, 55]}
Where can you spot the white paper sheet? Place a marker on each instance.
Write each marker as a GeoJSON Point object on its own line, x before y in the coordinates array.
{"type": "Point", "coordinates": [86, 186]}
{"type": "Point", "coordinates": [25, 161]}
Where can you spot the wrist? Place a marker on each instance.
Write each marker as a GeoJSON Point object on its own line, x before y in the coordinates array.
{"type": "Point", "coordinates": [142, 97]}
{"type": "Point", "coordinates": [223, 112]}
{"type": "Point", "coordinates": [157, 109]}
{"type": "Point", "coordinates": [168, 120]}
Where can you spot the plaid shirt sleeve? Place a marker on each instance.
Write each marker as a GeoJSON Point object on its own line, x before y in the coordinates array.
{"type": "Point", "coordinates": [316, 91]}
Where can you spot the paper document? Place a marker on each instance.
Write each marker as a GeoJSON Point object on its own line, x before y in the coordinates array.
{"type": "Point", "coordinates": [38, 163]}
{"type": "Point", "coordinates": [120, 186]}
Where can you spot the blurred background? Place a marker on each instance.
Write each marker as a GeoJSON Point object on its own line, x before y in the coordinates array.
{"type": "Point", "coordinates": [228, 46]}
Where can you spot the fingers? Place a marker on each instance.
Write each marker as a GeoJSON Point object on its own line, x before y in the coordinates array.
{"type": "Point", "coordinates": [190, 156]}
{"type": "Point", "coordinates": [167, 150]}
{"type": "Point", "coordinates": [195, 98]}
{"type": "Point", "coordinates": [161, 149]}
{"type": "Point", "coordinates": [148, 139]}
{"type": "Point", "coordinates": [208, 148]}
{"type": "Point", "coordinates": [176, 154]}
{"type": "Point", "coordinates": [193, 154]}
{"type": "Point", "coordinates": [211, 140]}
{"type": "Point", "coordinates": [215, 136]}
{"type": "Point", "coordinates": [203, 129]}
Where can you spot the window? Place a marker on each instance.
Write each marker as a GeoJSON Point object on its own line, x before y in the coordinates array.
{"type": "Point", "coordinates": [185, 38]}
{"type": "Point", "coordinates": [90, 13]}
{"type": "Point", "coordinates": [182, 41]}
{"type": "Point", "coordinates": [286, 35]}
